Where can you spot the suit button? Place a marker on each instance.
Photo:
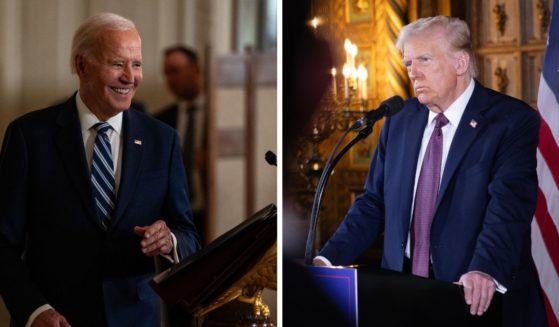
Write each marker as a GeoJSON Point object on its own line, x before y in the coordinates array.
{"type": "Point", "coordinates": [402, 245]}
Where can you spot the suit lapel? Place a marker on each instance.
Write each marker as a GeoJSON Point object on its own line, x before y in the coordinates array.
{"type": "Point", "coordinates": [131, 161]}
{"type": "Point", "coordinates": [412, 132]}
{"type": "Point", "coordinates": [471, 123]}
{"type": "Point", "coordinates": [69, 141]}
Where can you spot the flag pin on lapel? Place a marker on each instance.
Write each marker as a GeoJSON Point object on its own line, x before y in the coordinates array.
{"type": "Point", "coordinates": [138, 142]}
{"type": "Point", "coordinates": [473, 123]}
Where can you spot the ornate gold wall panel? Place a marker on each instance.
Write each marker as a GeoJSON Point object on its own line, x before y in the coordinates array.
{"type": "Point", "coordinates": [509, 40]}
{"type": "Point", "coordinates": [396, 12]}
{"type": "Point", "coordinates": [374, 33]}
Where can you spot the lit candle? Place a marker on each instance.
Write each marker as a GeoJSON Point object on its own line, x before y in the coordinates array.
{"type": "Point", "coordinates": [314, 23]}
{"type": "Point", "coordinates": [334, 91]}
{"type": "Point", "coordinates": [362, 76]}
{"type": "Point", "coordinates": [346, 72]}
{"type": "Point", "coordinates": [353, 54]}
{"type": "Point", "coordinates": [347, 48]}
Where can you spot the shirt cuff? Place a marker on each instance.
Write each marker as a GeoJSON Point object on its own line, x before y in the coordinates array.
{"type": "Point", "coordinates": [321, 261]}
{"type": "Point", "coordinates": [173, 257]}
{"type": "Point", "coordinates": [36, 313]}
{"type": "Point", "coordinates": [499, 287]}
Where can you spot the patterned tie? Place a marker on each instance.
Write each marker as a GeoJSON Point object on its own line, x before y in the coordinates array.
{"type": "Point", "coordinates": [425, 198]}
{"type": "Point", "coordinates": [103, 175]}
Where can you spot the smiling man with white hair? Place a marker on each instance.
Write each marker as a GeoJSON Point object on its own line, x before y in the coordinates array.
{"type": "Point", "coordinates": [91, 192]}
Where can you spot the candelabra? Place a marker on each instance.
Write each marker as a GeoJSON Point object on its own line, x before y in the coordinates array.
{"type": "Point", "coordinates": [334, 114]}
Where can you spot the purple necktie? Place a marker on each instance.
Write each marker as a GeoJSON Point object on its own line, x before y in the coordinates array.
{"type": "Point", "coordinates": [425, 198]}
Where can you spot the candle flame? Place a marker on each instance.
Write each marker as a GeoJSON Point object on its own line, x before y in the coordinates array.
{"type": "Point", "coordinates": [347, 45]}
{"type": "Point", "coordinates": [362, 72]}
{"type": "Point", "coordinates": [353, 50]}
{"type": "Point", "coordinates": [314, 22]}
{"type": "Point", "coordinates": [346, 71]}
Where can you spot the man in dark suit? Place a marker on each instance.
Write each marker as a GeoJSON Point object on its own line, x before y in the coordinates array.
{"type": "Point", "coordinates": [186, 115]}
{"type": "Point", "coordinates": [453, 181]}
{"type": "Point", "coordinates": [91, 192]}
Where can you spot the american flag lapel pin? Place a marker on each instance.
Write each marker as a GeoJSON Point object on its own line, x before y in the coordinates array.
{"type": "Point", "coordinates": [473, 123]}
{"type": "Point", "coordinates": [137, 142]}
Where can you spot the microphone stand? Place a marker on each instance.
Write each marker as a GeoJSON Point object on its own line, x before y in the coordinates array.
{"type": "Point", "coordinates": [329, 166]}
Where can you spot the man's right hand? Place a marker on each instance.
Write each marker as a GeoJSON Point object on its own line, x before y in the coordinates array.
{"type": "Point", "coordinates": [320, 261]}
{"type": "Point", "coordinates": [50, 318]}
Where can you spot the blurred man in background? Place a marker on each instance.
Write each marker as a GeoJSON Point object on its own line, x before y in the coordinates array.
{"type": "Point", "coordinates": [184, 79]}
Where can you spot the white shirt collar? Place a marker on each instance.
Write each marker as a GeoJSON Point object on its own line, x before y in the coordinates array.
{"type": "Point", "coordinates": [456, 109]}
{"type": "Point", "coordinates": [88, 119]}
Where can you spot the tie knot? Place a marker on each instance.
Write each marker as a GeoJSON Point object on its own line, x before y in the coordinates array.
{"type": "Point", "coordinates": [101, 127]}
{"type": "Point", "coordinates": [440, 121]}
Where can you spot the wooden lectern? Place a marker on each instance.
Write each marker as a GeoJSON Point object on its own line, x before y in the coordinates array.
{"type": "Point", "coordinates": [236, 266]}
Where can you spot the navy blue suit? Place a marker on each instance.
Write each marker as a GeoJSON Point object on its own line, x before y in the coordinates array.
{"type": "Point", "coordinates": [52, 247]}
{"type": "Point", "coordinates": [485, 205]}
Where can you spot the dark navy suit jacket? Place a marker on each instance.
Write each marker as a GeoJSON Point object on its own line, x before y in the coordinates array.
{"type": "Point", "coordinates": [52, 247]}
{"type": "Point", "coordinates": [485, 205]}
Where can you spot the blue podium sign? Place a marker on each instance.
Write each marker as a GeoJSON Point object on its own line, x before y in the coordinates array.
{"type": "Point", "coordinates": [339, 285]}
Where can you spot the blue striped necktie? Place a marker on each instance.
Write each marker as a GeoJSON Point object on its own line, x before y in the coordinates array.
{"type": "Point", "coordinates": [103, 175]}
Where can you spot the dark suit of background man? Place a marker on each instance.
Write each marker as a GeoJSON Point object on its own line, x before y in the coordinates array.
{"type": "Point", "coordinates": [182, 74]}
{"type": "Point", "coordinates": [68, 258]}
{"type": "Point", "coordinates": [485, 196]}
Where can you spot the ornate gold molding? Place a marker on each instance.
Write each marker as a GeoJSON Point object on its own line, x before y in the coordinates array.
{"type": "Point", "coordinates": [542, 6]}
{"type": "Point", "coordinates": [249, 288]}
{"type": "Point", "coordinates": [361, 5]}
{"type": "Point", "coordinates": [396, 12]}
{"type": "Point", "coordinates": [500, 17]}
{"type": "Point", "coordinates": [502, 79]}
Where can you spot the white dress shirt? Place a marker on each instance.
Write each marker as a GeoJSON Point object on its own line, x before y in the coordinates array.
{"type": "Point", "coordinates": [87, 121]}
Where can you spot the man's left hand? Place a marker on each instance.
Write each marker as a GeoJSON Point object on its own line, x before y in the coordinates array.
{"type": "Point", "coordinates": [156, 240]}
{"type": "Point", "coordinates": [478, 291]}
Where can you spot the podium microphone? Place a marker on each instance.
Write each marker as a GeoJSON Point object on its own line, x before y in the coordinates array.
{"type": "Point", "coordinates": [387, 108]}
{"type": "Point", "coordinates": [271, 158]}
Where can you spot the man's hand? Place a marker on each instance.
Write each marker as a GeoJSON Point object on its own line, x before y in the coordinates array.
{"type": "Point", "coordinates": [156, 238]}
{"type": "Point", "coordinates": [478, 291]}
{"type": "Point", "coordinates": [321, 262]}
{"type": "Point", "coordinates": [50, 318]}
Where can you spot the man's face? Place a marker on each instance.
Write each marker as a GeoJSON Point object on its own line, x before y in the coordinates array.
{"type": "Point", "coordinates": [183, 77]}
{"type": "Point", "coordinates": [432, 68]}
{"type": "Point", "coordinates": [109, 80]}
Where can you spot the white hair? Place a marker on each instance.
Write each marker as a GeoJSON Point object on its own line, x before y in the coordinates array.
{"type": "Point", "coordinates": [86, 36]}
{"type": "Point", "coordinates": [457, 35]}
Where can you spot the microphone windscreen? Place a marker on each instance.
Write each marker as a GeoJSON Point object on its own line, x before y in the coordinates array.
{"type": "Point", "coordinates": [271, 158]}
{"type": "Point", "coordinates": [392, 105]}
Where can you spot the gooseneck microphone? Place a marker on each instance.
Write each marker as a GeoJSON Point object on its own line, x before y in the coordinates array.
{"type": "Point", "coordinates": [271, 158]}
{"type": "Point", "coordinates": [387, 108]}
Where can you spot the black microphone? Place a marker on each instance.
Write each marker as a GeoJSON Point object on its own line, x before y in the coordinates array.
{"type": "Point", "coordinates": [271, 158]}
{"type": "Point", "coordinates": [387, 108]}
